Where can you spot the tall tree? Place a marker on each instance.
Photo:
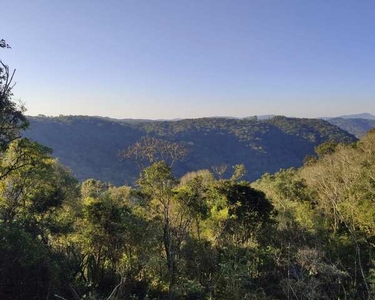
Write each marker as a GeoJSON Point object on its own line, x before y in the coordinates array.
{"type": "Point", "coordinates": [12, 119]}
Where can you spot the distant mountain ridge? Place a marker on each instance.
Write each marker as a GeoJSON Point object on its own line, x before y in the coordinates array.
{"type": "Point", "coordinates": [89, 145]}
{"type": "Point", "coordinates": [357, 127]}
{"type": "Point", "coordinates": [365, 116]}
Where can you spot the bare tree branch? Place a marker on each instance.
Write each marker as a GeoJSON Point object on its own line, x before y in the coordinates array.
{"type": "Point", "coordinates": [150, 150]}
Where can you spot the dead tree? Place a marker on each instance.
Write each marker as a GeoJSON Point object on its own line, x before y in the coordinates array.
{"type": "Point", "coordinates": [149, 150]}
{"type": "Point", "coordinates": [219, 170]}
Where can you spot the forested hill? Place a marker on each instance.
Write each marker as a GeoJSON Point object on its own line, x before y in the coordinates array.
{"type": "Point", "coordinates": [356, 126]}
{"type": "Point", "coordinates": [90, 145]}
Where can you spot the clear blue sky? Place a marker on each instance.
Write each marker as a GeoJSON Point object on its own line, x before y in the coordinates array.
{"type": "Point", "coordinates": [169, 59]}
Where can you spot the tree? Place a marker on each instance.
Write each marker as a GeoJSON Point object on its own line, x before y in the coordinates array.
{"type": "Point", "coordinates": [219, 170]}
{"type": "Point", "coordinates": [12, 119]}
{"type": "Point", "coordinates": [34, 200]}
{"type": "Point", "coordinates": [150, 150]}
{"type": "Point", "coordinates": [3, 44]}
{"type": "Point", "coordinates": [158, 183]}
{"type": "Point", "coordinates": [239, 171]}
{"type": "Point", "coordinates": [326, 148]}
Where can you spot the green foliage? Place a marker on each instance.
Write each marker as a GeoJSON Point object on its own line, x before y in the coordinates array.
{"type": "Point", "coordinates": [26, 271]}
{"type": "Point", "coordinates": [326, 148]}
{"type": "Point", "coordinates": [12, 119]}
{"type": "Point", "coordinates": [36, 195]}
{"type": "Point", "coordinates": [303, 233]}
{"type": "Point", "coordinates": [329, 205]}
{"type": "Point", "coordinates": [248, 211]}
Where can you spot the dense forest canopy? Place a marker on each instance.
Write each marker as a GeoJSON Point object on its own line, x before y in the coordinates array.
{"type": "Point", "coordinates": [90, 145]}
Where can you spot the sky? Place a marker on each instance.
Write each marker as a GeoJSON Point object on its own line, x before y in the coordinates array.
{"type": "Point", "coordinates": [187, 59]}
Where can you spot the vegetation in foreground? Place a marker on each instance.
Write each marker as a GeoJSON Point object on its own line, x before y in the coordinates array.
{"type": "Point", "coordinates": [303, 233]}
{"type": "Point", "coordinates": [297, 234]}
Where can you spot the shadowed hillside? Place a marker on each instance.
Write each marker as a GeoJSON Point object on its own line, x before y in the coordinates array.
{"type": "Point", "coordinates": [90, 145]}
{"type": "Point", "coordinates": [357, 127]}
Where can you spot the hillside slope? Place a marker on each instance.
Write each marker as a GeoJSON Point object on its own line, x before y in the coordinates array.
{"type": "Point", "coordinates": [90, 145]}
{"type": "Point", "coordinates": [357, 127]}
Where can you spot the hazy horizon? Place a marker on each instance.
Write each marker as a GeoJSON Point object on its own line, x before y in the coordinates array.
{"type": "Point", "coordinates": [191, 59]}
{"type": "Point", "coordinates": [181, 118]}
